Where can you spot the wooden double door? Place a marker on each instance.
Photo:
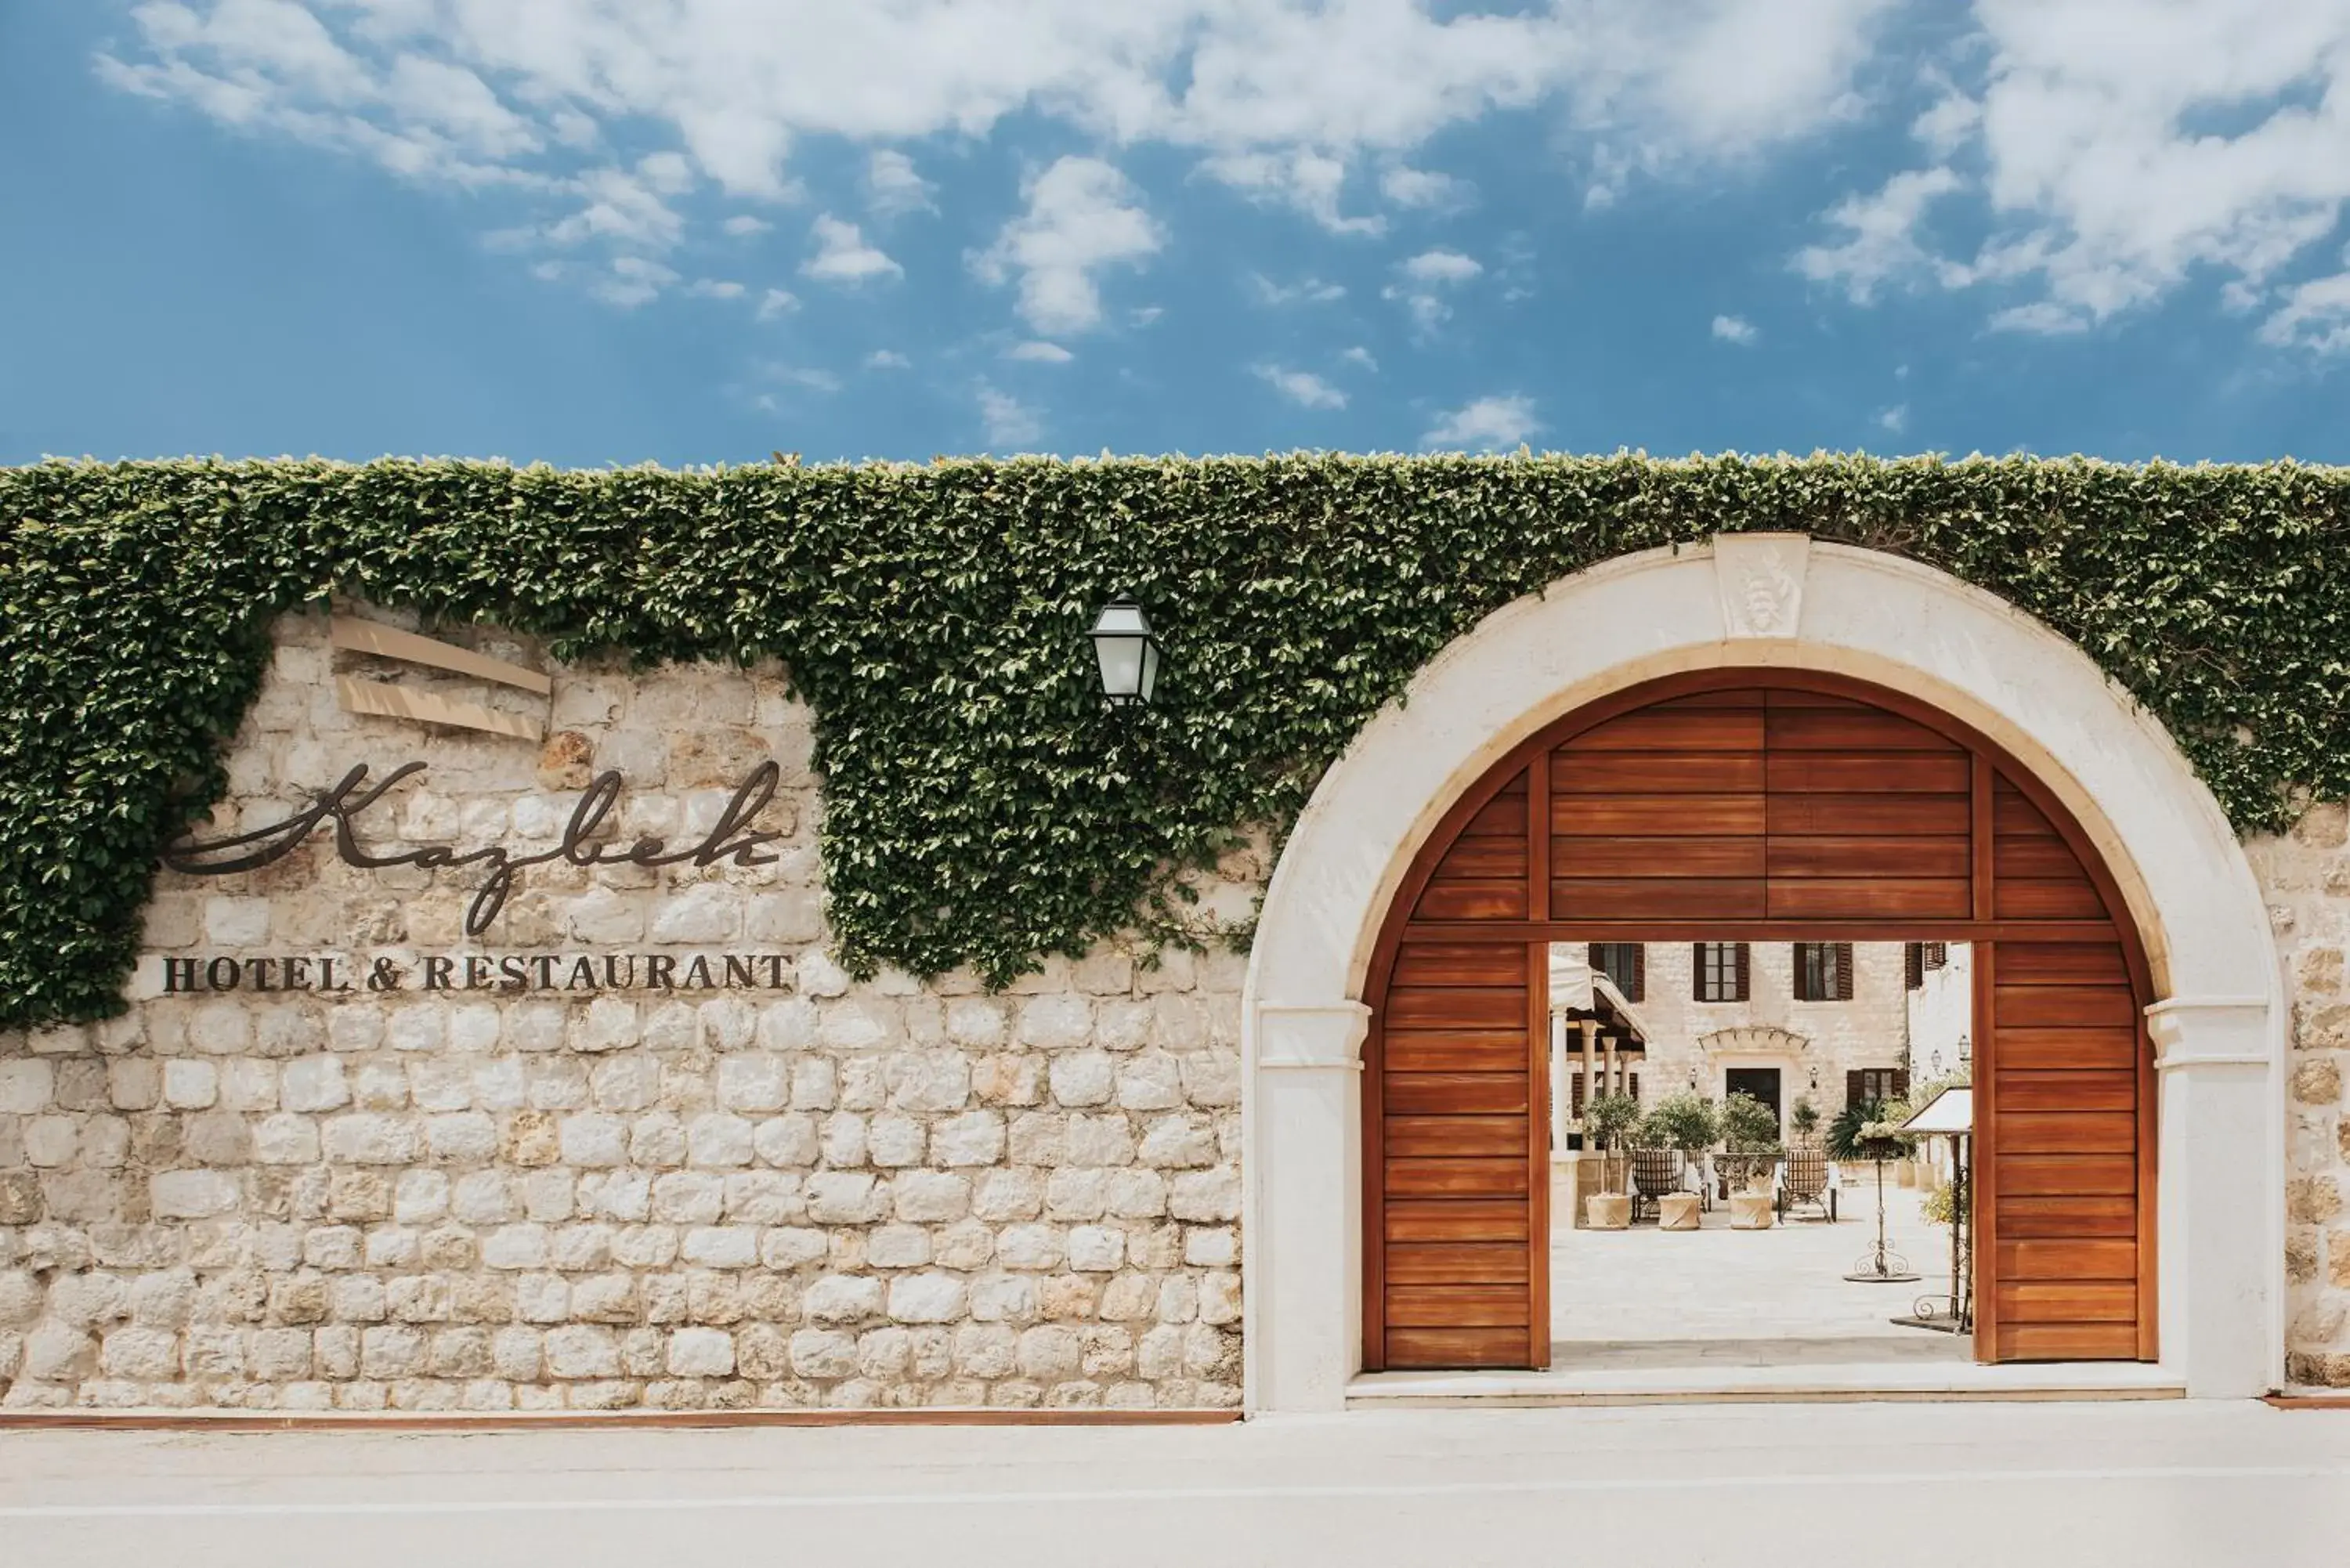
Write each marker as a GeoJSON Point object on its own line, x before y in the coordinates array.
{"type": "Point", "coordinates": [1754, 806]}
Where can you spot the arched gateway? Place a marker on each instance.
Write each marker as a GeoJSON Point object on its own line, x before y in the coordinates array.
{"type": "Point", "coordinates": [1767, 740]}
{"type": "Point", "coordinates": [1755, 805]}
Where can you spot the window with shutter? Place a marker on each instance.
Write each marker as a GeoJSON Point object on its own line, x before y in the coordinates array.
{"type": "Point", "coordinates": [1639, 990]}
{"type": "Point", "coordinates": [1899, 1087]}
{"type": "Point", "coordinates": [1935, 954]}
{"type": "Point", "coordinates": [1855, 1086]}
{"type": "Point", "coordinates": [1624, 965]}
{"type": "Point", "coordinates": [1632, 1083]}
{"type": "Point", "coordinates": [1745, 975]}
{"type": "Point", "coordinates": [1913, 965]}
{"type": "Point", "coordinates": [1842, 972]}
{"type": "Point", "coordinates": [1719, 971]}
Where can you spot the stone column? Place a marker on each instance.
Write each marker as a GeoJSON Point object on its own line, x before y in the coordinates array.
{"type": "Point", "coordinates": [2219, 1219]}
{"type": "Point", "coordinates": [1562, 1096]}
{"type": "Point", "coordinates": [1590, 1028]}
{"type": "Point", "coordinates": [1304, 1256]}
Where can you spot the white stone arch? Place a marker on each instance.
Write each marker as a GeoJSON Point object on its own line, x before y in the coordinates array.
{"type": "Point", "coordinates": [1769, 601]}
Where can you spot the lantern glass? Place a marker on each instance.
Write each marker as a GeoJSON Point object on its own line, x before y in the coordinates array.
{"type": "Point", "coordinates": [1127, 653]}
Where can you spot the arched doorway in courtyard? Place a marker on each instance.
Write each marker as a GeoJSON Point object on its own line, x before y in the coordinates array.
{"type": "Point", "coordinates": [1738, 808]}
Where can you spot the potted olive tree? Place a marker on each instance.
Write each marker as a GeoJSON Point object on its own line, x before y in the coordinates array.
{"type": "Point", "coordinates": [1678, 1129]}
{"type": "Point", "coordinates": [1804, 1121]}
{"type": "Point", "coordinates": [1750, 1145]}
{"type": "Point", "coordinates": [1608, 1121]}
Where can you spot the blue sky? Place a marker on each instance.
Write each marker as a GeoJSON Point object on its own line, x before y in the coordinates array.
{"type": "Point", "coordinates": [607, 231]}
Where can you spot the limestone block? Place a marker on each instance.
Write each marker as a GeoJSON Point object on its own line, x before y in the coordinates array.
{"type": "Point", "coordinates": [897, 1247]}
{"type": "Point", "coordinates": [580, 1350]}
{"type": "Point", "coordinates": [823, 1353]}
{"type": "Point", "coordinates": [702, 1352]}
{"type": "Point", "coordinates": [594, 1140]}
{"type": "Point", "coordinates": [894, 1141]}
{"type": "Point", "coordinates": [417, 1026]}
{"type": "Point", "coordinates": [972, 1137]}
{"type": "Point", "coordinates": [133, 1082]}
{"type": "Point", "coordinates": [927, 1298]}
{"type": "Point", "coordinates": [1206, 1196]}
{"type": "Point", "coordinates": [1096, 1249]}
{"type": "Point", "coordinates": [191, 1085]}
{"type": "Point", "coordinates": [1134, 1194]}
{"type": "Point", "coordinates": [313, 1084]}
{"type": "Point", "coordinates": [689, 1198]}
{"type": "Point", "coordinates": [1211, 1247]}
{"type": "Point", "coordinates": [369, 1138]}
{"type": "Point", "coordinates": [1055, 1022]}
{"type": "Point", "coordinates": [718, 1139]}
{"type": "Point", "coordinates": [784, 1247]}
{"type": "Point", "coordinates": [522, 1246]}
{"type": "Point", "coordinates": [1104, 1140]}
{"type": "Point", "coordinates": [842, 1298]}
{"type": "Point", "coordinates": [721, 1246]}
{"type": "Point", "coordinates": [1077, 1193]}
{"type": "Point", "coordinates": [1082, 1078]}
{"type": "Point", "coordinates": [931, 1197]}
{"type": "Point", "coordinates": [27, 1086]}
{"type": "Point", "coordinates": [1027, 1246]}
{"type": "Point", "coordinates": [1049, 1352]}
{"type": "Point", "coordinates": [758, 1082]}
{"type": "Point", "coordinates": [420, 1197]}
{"type": "Point", "coordinates": [193, 1194]}
{"type": "Point", "coordinates": [1185, 1139]}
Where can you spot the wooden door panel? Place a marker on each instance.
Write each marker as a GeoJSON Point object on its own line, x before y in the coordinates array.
{"type": "Point", "coordinates": [2067, 1006]}
{"type": "Point", "coordinates": [1466, 1220]}
{"type": "Point", "coordinates": [1481, 898]}
{"type": "Point", "coordinates": [1706, 816]}
{"type": "Point", "coordinates": [1674, 730]}
{"type": "Point", "coordinates": [1653, 773]}
{"type": "Point", "coordinates": [1456, 1262]}
{"type": "Point", "coordinates": [1503, 816]}
{"type": "Point", "coordinates": [1856, 898]}
{"type": "Point", "coordinates": [2069, 1132]}
{"type": "Point", "coordinates": [1455, 1051]}
{"type": "Point", "coordinates": [1880, 857]}
{"type": "Point", "coordinates": [1463, 1348]}
{"type": "Point", "coordinates": [2028, 1218]}
{"type": "Point", "coordinates": [1659, 899]}
{"type": "Point", "coordinates": [1893, 773]}
{"type": "Point", "coordinates": [1849, 730]}
{"type": "Point", "coordinates": [2031, 858]}
{"type": "Point", "coordinates": [2063, 963]}
{"type": "Point", "coordinates": [2015, 900]}
{"type": "Point", "coordinates": [1841, 815]}
{"type": "Point", "coordinates": [2029, 1049]}
{"type": "Point", "coordinates": [1450, 964]}
{"type": "Point", "coordinates": [2028, 1341]}
{"type": "Point", "coordinates": [2067, 1258]}
{"type": "Point", "coordinates": [1579, 856]}
{"type": "Point", "coordinates": [1458, 1007]}
{"type": "Point", "coordinates": [1457, 1093]}
{"type": "Point", "coordinates": [2038, 1091]}
{"type": "Point", "coordinates": [2067, 1175]}
{"type": "Point", "coordinates": [1482, 1305]}
{"type": "Point", "coordinates": [2069, 1301]}
{"type": "Point", "coordinates": [1455, 1137]}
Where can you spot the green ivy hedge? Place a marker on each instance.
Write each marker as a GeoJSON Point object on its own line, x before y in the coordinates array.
{"type": "Point", "coordinates": [981, 808]}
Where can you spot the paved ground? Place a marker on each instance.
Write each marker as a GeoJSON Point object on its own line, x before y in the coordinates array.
{"type": "Point", "coordinates": [1645, 1297]}
{"type": "Point", "coordinates": [2015, 1486]}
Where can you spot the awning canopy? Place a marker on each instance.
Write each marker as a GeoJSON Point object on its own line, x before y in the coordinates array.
{"type": "Point", "coordinates": [1950, 1114]}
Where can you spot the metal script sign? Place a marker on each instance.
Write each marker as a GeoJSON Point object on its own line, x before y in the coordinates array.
{"type": "Point", "coordinates": [729, 839]}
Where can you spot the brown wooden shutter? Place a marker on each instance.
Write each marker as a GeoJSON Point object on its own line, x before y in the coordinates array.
{"type": "Point", "coordinates": [1913, 965]}
{"type": "Point", "coordinates": [1576, 1093]}
{"type": "Point", "coordinates": [1697, 971]}
{"type": "Point", "coordinates": [1855, 1086]}
{"type": "Point", "coordinates": [1595, 955]}
{"type": "Point", "coordinates": [1844, 971]}
{"type": "Point", "coordinates": [1639, 972]}
{"type": "Point", "coordinates": [1901, 1084]}
{"type": "Point", "coordinates": [1632, 1082]}
{"type": "Point", "coordinates": [1802, 976]}
{"type": "Point", "coordinates": [1745, 975]}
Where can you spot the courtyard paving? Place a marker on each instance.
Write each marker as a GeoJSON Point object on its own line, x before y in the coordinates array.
{"type": "Point", "coordinates": [1646, 1298]}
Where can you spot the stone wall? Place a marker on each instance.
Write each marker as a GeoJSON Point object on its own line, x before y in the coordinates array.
{"type": "Point", "coordinates": [2306, 876]}
{"type": "Point", "coordinates": [769, 1186]}
{"type": "Point", "coordinates": [778, 1187]}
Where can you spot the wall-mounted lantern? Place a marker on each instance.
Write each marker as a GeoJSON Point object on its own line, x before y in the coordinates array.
{"type": "Point", "coordinates": [1127, 653]}
{"type": "Point", "coordinates": [1692, 1075]}
{"type": "Point", "coordinates": [1966, 1050]}
{"type": "Point", "coordinates": [1815, 1079]}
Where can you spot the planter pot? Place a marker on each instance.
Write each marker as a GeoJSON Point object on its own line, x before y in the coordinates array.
{"type": "Point", "coordinates": [1607, 1211]}
{"type": "Point", "coordinates": [1676, 1211]}
{"type": "Point", "coordinates": [1750, 1212]}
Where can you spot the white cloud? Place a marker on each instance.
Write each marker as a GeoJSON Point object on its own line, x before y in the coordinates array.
{"type": "Point", "coordinates": [777, 302]}
{"type": "Point", "coordinates": [1427, 275]}
{"type": "Point", "coordinates": [714, 288]}
{"type": "Point", "coordinates": [892, 185]}
{"type": "Point", "coordinates": [1409, 187]}
{"type": "Point", "coordinates": [632, 281]}
{"type": "Point", "coordinates": [1303, 387]}
{"type": "Point", "coordinates": [1882, 246]}
{"type": "Point", "coordinates": [842, 257]}
{"type": "Point", "coordinates": [807, 378]}
{"type": "Point", "coordinates": [1360, 355]}
{"type": "Point", "coordinates": [742, 224]}
{"type": "Point", "coordinates": [886, 360]}
{"type": "Point", "coordinates": [1039, 352]}
{"type": "Point", "coordinates": [1008, 422]}
{"type": "Point", "coordinates": [1288, 100]}
{"type": "Point", "coordinates": [1083, 215]}
{"type": "Point", "coordinates": [1894, 420]}
{"type": "Point", "coordinates": [1441, 266]}
{"type": "Point", "coordinates": [1305, 291]}
{"type": "Point", "coordinates": [2316, 315]}
{"type": "Point", "coordinates": [1485, 424]}
{"type": "Point", "coordinates": [2115, 150]}
{"type": "Point", "coordinates": [1735, 329]}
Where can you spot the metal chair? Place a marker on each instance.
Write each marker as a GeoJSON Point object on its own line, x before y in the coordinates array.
{"type": "Point", "coordinates": [1804, 1179]}
{"type": "Point", "coordinates": [1655, 1172]}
